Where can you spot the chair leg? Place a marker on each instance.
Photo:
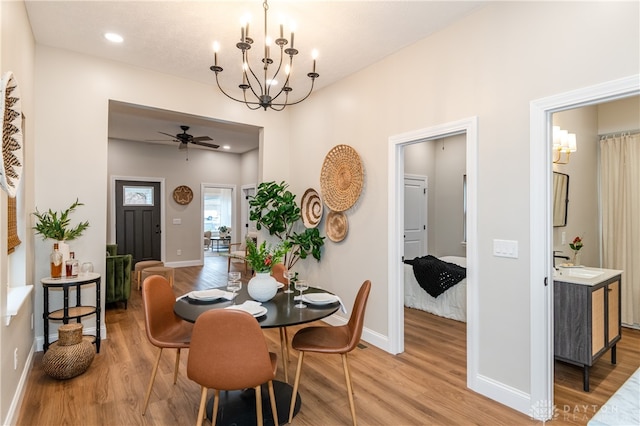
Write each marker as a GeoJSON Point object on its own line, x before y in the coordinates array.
{"type": "Point", "coordinates": [258, 405]}
{"type": "Point", "coordinates": [284, 348]}
{"type": "Point", "coordinates": [296, 382]}
{"type": "Point", "coordinates": [272, 398]}
{"type": "Point", "coordinates": [201, 409]}
{"type": "Point", "coordinates": [177, 367]}
{"type": "Point", "coordinates": [139, 274]}
{"type": "Point", "coordinates": [229, 264]}
{"type": "Point", "coordinates": [153, 378]}
{"type": "Point", "coordinates": [214, 412]}
{"type": "Point", "coordinates": [347, 377]}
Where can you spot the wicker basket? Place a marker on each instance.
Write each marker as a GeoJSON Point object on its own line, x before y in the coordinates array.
{"type": "Point", "coordinates": [71, 355]}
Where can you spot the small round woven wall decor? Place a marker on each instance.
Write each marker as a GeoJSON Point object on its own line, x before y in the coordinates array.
{"type": "Point", "coordinates": [311, 207]}
{"type": "Point", "coordinates": [12, 153]}
{"type": "Point", "coordinates": [337, 226]}
{"type": "Point", "coordinates": [341, 178]}
{"type": "Point", "coordinates": [182, 195]}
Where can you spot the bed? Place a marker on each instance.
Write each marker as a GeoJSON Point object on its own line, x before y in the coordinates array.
{"type": "Point", "coordinates": [450, 304]}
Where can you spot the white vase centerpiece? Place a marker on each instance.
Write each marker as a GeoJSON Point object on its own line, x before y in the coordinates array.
{"type": "Point", "coordinates": [263, 287]}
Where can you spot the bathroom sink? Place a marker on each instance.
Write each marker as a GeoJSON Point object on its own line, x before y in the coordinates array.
{"type": "Point", "coordinates": [582, 272]}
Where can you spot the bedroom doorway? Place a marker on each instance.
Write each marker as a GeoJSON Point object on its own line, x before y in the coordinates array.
{"type": "Point", "coordinates": [397, 144]}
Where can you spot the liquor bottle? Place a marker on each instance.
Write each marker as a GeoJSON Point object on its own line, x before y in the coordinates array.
{"type": "Point", "coordinates": [71, 267]}
{"type": "Point", "coordinates": [56, 262]}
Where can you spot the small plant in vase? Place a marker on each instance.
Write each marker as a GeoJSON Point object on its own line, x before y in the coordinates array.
{"type": "Point", "coordinates": [223, 231]}
{"type": "Point", "coordinates": [57, 226]}
{"type": "Point", "coordinates": [262, 287]}
{"type": "Point", "coordinates": [576, 245]}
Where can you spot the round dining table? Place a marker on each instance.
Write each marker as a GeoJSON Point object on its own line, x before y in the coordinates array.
{"type": "Point", "coordinates": [238, 407]}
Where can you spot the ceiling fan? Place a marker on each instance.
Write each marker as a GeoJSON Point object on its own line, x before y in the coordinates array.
{"type": "Point", "coordinates": [184, 139]}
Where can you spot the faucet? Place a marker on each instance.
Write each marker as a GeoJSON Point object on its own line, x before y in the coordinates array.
{"type": "Point", "coordinates": [558, 256]}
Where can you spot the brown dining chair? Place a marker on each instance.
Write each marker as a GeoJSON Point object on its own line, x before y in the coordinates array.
{"type": "Point", "coordinates": [164, 328]}
{"type": "Point", "coordinates": [229, 352]}
{"type": "Point", "coordinates": [277, 272]}
{"type": "Point", "coordinates": [333, 340]}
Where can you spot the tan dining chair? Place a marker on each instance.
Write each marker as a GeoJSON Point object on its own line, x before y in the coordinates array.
{"type": "Point", "coordinates": [164, 328]}
{"type": "Point", "coordinates": [277, 272]}
{"type": "Point", "coordinates": [333, 340]}
{"type": "Point", "coordinates": [229, 352]}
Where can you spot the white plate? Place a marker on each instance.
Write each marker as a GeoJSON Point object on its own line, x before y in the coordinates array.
{"type": "Point", "coordinates": [280, 285]}
{"type": "Point", "coordinates": [256, 311]}
{"type": "Point", "coordinates": [319, 298]}
{"type": "Point", "coordinates": [211, 294]}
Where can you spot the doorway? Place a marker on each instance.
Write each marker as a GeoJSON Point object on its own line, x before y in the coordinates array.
{"type": "Point", "coordinates": [138, 219]}
{"type": "Point", "coordinates": [541, 203]}
{"type": "Point", "coordinates": [397, 144]}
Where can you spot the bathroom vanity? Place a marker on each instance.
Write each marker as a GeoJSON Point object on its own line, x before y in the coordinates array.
{"type": "Point", "coordinates": [586, 315]}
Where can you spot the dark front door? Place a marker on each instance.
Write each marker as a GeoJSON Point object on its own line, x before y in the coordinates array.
{"type": "Point", "coordinates": [138, 219]}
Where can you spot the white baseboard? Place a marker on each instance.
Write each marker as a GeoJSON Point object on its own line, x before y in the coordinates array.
{"type": "Point", "coordinates": [506, 395]}
{"type": "Point", "coordinates": [184, 263]}
{"type": "Point", "coordinates": [376, 339]}
{"type": "Point", "coordinates": [18, 396]}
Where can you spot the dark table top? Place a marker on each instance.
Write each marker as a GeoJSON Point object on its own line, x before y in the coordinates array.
{"type": "Point", "coordinates": [281, 311]}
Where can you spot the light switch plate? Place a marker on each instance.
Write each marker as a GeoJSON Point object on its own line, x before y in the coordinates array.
{"type": "Point", "coordinates": [177, 221]}
{"type": "Point", "coordinates": [505, 248]}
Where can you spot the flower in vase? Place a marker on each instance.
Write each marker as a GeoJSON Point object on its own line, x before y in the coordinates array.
{"type": "Point", "coordinates": [263, 257]}
{"type": "Point", "coordinates": [576, 244]}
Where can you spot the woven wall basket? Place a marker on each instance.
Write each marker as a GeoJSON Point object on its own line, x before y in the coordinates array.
{"type": "Point", "coordinates": [337, 226]}
{"type": "Point", "coordinates": [12, 152]}
{"type": "Point", "coordinates": [341, 178]}
{"type": "Point", "coordinates": [71, 355]}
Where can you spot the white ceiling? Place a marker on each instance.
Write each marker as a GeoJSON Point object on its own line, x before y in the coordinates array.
{"type": "Point", "coordinates": [176, 37]}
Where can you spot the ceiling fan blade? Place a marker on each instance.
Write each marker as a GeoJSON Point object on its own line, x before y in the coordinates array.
{"type": "Point", "coordinates": [160, 140]}
{"type": "Point", "coordinates": [208, 145]}
{"type": "Point", "coordinates": [201, 139]}
{"type": "Point", "coordinates": [167, 134]}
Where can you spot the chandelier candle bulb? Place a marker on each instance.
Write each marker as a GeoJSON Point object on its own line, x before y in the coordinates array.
{"type": "Point", "coordinates": [281, 30]}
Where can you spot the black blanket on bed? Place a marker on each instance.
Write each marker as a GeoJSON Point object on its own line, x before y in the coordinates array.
{"type": "Point", "coordinates": [436, 276]}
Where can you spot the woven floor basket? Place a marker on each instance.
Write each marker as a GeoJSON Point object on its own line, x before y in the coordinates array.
{"type": "Point", "coordinates": [71, 355]}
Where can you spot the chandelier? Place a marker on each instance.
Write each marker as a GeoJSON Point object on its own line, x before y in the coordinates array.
{"type": "Point", "coordinates": [264, 91]}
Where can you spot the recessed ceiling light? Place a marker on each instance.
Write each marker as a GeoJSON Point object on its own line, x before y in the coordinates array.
{"type": "Point", "coordinates": [113, 37]}
{"type": "Point", "coordinates": [226, 147]}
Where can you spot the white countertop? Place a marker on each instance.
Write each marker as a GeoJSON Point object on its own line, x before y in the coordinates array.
{"type": "Point", "coordinates": [584, 275]}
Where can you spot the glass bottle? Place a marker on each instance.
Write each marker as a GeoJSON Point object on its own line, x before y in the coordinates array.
{"type": "Point", "coordinates": [56, 262]}
{"type": "Point", "coordinates": [71, 267]}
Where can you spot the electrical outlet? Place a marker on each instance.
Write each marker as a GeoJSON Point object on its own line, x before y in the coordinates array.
{"type": "Point", "coordinates": [179, 252]}
{"type": "Point", "coordinates": [15, 359]}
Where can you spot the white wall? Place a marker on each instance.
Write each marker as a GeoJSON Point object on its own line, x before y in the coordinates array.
{"type": "Point", "coordinates": [491, 64]}
{"type": "Point", "coordinates": [17, 53]}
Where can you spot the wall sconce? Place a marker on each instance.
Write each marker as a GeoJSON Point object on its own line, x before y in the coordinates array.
{"type": "Point", "coordinates": [563, 143]}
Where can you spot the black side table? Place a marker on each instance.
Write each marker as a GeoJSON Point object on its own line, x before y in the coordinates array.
{"type": "Point", "coordinates": [76, 312]}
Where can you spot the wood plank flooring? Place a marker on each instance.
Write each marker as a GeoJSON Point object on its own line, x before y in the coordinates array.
{"type": "Point", "coordinates": [425, 385]}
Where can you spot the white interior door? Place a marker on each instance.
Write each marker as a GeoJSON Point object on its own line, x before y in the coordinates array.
{"type": "Point", "coordinates": [246, 224]}
{"type": "Point", "coordinates": [415, 216]}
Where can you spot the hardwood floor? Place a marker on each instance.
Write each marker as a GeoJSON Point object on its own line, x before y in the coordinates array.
{"type": "Point", "coordinates": [425, 385]}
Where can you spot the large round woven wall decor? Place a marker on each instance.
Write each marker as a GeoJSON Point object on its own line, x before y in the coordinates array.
{"type": "Point", "coordinates": [341, 178]}
{"type": "Point", "coordinates": [12, 152]}
{"type": "Point", "coordinates": [311, 208]}
{"type": "Point", "coordinates": [337, 226]}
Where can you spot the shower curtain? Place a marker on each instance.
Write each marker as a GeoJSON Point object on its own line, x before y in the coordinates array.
{"type": "Point", "coordinates": [620, 191]}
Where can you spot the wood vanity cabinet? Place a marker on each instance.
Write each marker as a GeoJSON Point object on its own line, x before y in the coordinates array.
{"type": "Point", "coordinates": [586, 322]}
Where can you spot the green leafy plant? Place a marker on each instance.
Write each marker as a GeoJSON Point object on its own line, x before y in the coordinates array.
{"type": "Point", "coordinates": [223, 229]}
{"type": "Point", "coordinates": [56, 225]}
{"type": "Point", "coordinates": [274, 208]}
{"type": "Point", "coordinates": [263, 257]}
